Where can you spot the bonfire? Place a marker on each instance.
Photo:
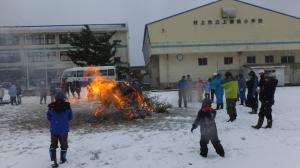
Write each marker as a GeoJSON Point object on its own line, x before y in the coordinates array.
{"type": "Point", "coordinates": [113, 97]}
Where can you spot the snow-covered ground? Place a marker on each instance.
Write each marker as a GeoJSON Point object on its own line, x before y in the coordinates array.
{"type": "Point", "coordinates": [160, 141]}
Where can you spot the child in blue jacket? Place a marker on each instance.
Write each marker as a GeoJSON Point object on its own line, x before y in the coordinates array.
{"type": "Point", "coordinates": [59, 114]}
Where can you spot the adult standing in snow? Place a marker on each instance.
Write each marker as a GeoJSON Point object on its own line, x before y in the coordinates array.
{"type": "Point", "coordinates": [219, 90]}
{"type": "Point", "coordinates": [12, 91]}
{"type": "Point", "coordinates": [43, 92]}
{"type": "Point", "coordinates": [1, 93]}
{"type": "Point", "coordinates": [19, 94]}
{"type": "Point", "coordinates": [207, 89]}
{"type": "Point", "coordinates": [199, 88]}
{"type": "Point", "coordinates": [266, 97]}
{"type": "Point", "coordinates": [72, 88]}
{"type": "Point", "coordinates": [252, 95]}
{"type": "Point", "coordinates": [59, 114]}
{"type": "Point", "coordinates": [77, 88]}
{"type": "Point", "coordinates": [189, 88]}
{"type": "Point", "coordinates": [182, 86]}
{"type": "Point", "coordinates": [231, 91]}
{"type": "Point", "coordinates": [212, 87]}
{"type": "Point", "coordinates": [206, 119]}
{"type": "Point", "coordinates": [53, 90]}
{"type": "Point", "coordinates": [65, 88]}
{"type": "Point", "coordinates": [242, 88]}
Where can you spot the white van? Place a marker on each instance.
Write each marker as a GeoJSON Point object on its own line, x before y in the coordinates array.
{"type": "Point", "coordinates": [77, 73]}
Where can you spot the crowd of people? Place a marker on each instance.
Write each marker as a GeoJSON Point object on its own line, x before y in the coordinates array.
{"type": "Point", "coordinates": [235, 89]}
{"type": "Point", "coordinates": [15, 91]}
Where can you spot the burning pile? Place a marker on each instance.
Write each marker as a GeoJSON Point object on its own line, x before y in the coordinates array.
{"type": "Point", "coordinates": [116, 97]}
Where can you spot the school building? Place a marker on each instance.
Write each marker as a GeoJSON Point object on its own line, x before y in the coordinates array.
{"type": "Point", "coordinates": [225, 35]}
{"type": "Point", "coordinates": [29, 54]}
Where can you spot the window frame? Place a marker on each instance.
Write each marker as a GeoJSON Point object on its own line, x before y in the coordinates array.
{"type": "Point", "coordinates": [269, 59]}
{"type": "Point", "coordinates": [251, 59]}
{"type": "Point", "coordinates": [202, 61]}
{"type": "Point", "coordinates": [228, 60]}
{"type": "Point", "coordinates": [289, 59]}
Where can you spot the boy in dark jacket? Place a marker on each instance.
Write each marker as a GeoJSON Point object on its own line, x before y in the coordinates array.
{"type": "Point", "coordinates": [206, 120]}
{"type": "Point", "coordinates": [59, 114]}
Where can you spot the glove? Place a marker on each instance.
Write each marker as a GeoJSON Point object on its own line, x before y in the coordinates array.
{"type": "Point", "coordinates": [193, 127]}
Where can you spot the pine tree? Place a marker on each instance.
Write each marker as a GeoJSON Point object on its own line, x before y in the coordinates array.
{"type": "Point", "coordinates": [91, 50]}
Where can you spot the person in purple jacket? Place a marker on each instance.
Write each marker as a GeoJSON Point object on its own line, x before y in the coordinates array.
{"type": "Point", "coordinates": [59, 114]}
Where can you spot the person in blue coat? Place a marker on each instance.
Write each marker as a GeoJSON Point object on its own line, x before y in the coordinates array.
{"type": "Point", "coordinates": [59, 114]}
{"type": "Point", "coordinates": [242, 88]}
{"type": "Point", "coordinates": [182, 91]}
{"type": "Point", "coordinates": [216, 83]}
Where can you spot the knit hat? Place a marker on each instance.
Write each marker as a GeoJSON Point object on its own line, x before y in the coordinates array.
{"type": "Point", "coordinates": [206, 102]}
{"type": "Point", "coordinates": [60, 96]}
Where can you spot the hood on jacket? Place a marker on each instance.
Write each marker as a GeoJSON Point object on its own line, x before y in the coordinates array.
{"type": "Point", "coordinates": [59, 106]}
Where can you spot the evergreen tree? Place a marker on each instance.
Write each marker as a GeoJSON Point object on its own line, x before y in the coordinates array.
{"type": "Point", "coordinates": [91, 50]}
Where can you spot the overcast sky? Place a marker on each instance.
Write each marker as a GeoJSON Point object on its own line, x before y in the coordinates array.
{"type": "Point", "coordinates": [134, 12]}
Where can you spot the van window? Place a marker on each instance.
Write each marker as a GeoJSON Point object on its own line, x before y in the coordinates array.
{"type": "Point", "coordinates": [111, 72]}
{"type": "Point", "coordinates": [79, 73]}
{"type": "Point", "coordinates": [69, 74]}
{"type": "Point", "coordinates": [103, 72]}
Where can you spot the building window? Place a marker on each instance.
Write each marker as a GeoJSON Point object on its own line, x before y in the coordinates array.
{"type": "Point", "coordinates": [260, 20]}
{"type": "Point", "coordinates": [232, 21]}
{"type": "Point", "coordinates": [246, 21]}
{"type": "Point", "coordinates": [51, 56]}
{"type": "Point", "coordinates": [11, 57]}
{"type": "Point", "coordinates": [228, 60]}
{"type": "Point", "coordinates": [238, 21]}
{"type": "Point", "coordinates": [9, 40]}
{"type": "Point", "coordinates": [50, 39]}
{"type": "Point", "coordinates": [253, 20]}
{"type": "Point", "coordinates": [251, 60]}
{"type": "Point", "coordinates": [63, 39]}
{"type": "Point", "coordinates": [195, 22]}
{"type": "Point", "coordinates": [64, 56]}
{"type": "Point", "coordinates": [217, 21]}
{"type": "Point", "coordinates": [269, 59]}
{"type": "Point", "coordinates": [202, 61]}
{"type": "Point", "coordinates": [287, 59]}
{"type": "Point", "coordinates": [36, 56]}
{"type": "Point", "coordinates": [37, 39]}
{"type": "Point", "coordinates": [210, 22]}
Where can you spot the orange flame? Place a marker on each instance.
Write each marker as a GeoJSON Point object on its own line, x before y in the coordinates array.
{"type": "Point", "coordinates": [113, 95]}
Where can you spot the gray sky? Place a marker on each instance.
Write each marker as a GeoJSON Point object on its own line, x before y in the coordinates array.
{"type": "Point", "coordinates": [134, 12]}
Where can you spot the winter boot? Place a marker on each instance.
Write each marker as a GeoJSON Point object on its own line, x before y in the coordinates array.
{"type": "Point", "coordinates": [259, 123]}
{"type": "Point", "coordinates": [63, 156]}
{"type": "Point", "coordinates": [53, 157]}
{"type": "Point", "coordinates": [222, 106]}
{"type": "Point", "coordinates": [203, 152]}
{"type": "Point", "coordinates": [217, 108]}
{"type": "Point", "coordinates": [253, 112]}
{"type": "Point", "coordinates": [231, 118]}
{"type": "Point", "coordinates": [269, 124]}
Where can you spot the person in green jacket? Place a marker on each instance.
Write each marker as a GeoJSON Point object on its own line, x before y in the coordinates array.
{"type": "Point", "coordinates": [231, 91]}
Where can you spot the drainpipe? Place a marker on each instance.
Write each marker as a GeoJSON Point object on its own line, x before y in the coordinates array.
{"type": "Point", "coordinates": [168, 71]}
